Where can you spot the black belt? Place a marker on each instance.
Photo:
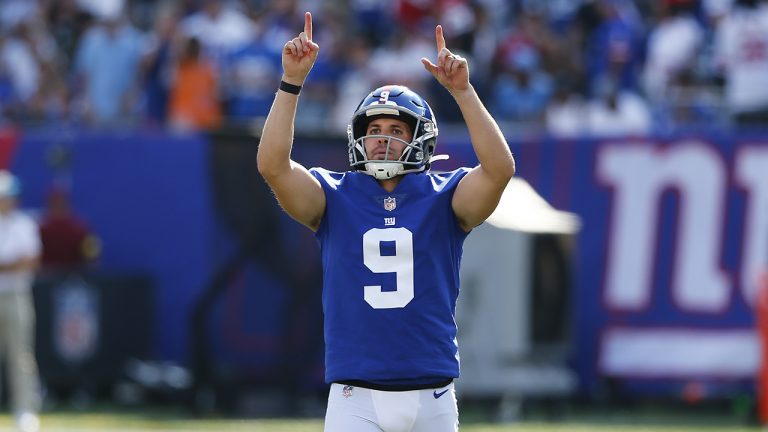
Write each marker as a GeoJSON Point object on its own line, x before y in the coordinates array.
{"type": "Point", "coordinates": [396, 387]}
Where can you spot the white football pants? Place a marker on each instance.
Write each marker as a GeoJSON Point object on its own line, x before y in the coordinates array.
{"type": "Point", "coordinates": [364, 410]}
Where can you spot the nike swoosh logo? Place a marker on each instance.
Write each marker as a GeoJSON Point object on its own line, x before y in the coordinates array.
{"type": "Point", "coordinates": [437, 395]}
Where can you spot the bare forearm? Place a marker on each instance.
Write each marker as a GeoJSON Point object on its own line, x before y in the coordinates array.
{"type": "Point", "coordinates": [487, 140]}
{"type": "Point", "coordinates": [277, 136]}
{"type": "Point", "coordinates": [274, 156]}
{"type": "Point", "coordinates": [22, 264]}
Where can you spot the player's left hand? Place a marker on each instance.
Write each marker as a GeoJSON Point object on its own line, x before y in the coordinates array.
{"type": "Point", "coordinates": [451, 70]}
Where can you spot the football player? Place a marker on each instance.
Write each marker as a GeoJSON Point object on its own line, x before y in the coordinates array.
{"type": "Point", "coordinates": [391, 235]}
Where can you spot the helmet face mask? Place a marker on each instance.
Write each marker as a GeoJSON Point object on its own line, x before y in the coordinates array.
{"type": "Point", "coordinates": [400, 103]}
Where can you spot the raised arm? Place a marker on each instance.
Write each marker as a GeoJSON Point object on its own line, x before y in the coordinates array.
{"type": "Point", "coordinates": [478, 192]}
{"type": "Point", "coordinates": [297, 191]}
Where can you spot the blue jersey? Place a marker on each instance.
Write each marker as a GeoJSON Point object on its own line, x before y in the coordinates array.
{"type": "Point", "coordinates": [390, 277]}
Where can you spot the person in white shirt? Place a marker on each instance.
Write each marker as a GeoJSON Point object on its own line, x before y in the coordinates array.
{"type": "Point", "coordinates": [566, 115]}
{"type": "Point", "coordinates": [221, 29]}
{"type": "Point", "coordinates": [741, 51]}
{"type": "Point", "coordinates": [673, 45]}
{"type": "Point", "coordinates": [20, 249]}
{"type": "Point", "coordinates": [616, 112]}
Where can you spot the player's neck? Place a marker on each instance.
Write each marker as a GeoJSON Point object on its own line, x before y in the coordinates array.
{"type": "Point", "coordinates": [390, 184]}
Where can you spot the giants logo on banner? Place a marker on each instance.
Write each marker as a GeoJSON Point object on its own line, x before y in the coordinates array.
{"type": "Point", "coordinates": [691, 338]}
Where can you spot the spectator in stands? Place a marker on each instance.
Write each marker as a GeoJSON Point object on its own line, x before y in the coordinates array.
{"type": "Point", "coordinates": [9, 101]}
{"type": "Point", "coordinates": [372, 19]}
{"type": "Point", "coordinates": [715, 10]}
{"type": "Point", "coordinates": [107, 66]}
{"type": "Point", "coordinates": [614, 111]}
{"type": "Point", "coordinates": [612, 51]}
{"type": "Point", "coordinates": [251, 73]}
{"type": "Point", "coordinates": [220, 29]}
{"type": "Point", "coordinates": [531, 31]}
{"type": "Point", "coordinates": [47, 64]}
{"type": "Point", "coordinates": [565, 116]}
{"type": "Point", "coordinates": [23, 55]}
{"type": "Point", "coordinates": [15, 12]}
{"type": "Point", "coordinates": [194, 96]}
{"type": "Point", "coordinates": [356, 80]}
{"type": "Point", "coordinates": [578, 34]}
{"type": "Point", "coordinates": [413, 14]}
{"type": "Point", "coordinates": [32, 59]}
{"type": "Point", "coordinates": [673, 45]}
{"type": "Point", "coordinates": [459, 18]}
{"type": "Point", "coordinates": [673, 49]}
{"type": "Point", "coordinates": [741, 49]}
{"type": "Point", "coordinates": [68, 243]}
{"type": "Point", "coordinates": [19, 256]}
{"type": "Point", "coordinates": [67, 23]}
{"type": "Point", "coordinates": [279, 20]}
{"type": "Point", "coordinates": [483, 50]}
{"type": "Point", "coordinates": [51, 103]}
{"type": "Point", "coordinates": [522, 90]}
{"type": "Point", "coordinates": [400, 50]}
{"type": "Point", "coordinates": [157, 64]}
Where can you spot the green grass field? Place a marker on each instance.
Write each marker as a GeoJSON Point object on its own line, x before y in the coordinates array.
{"type": "Point", "coordinates": [639, 416]}
{"type": "Point", "coordinates": [140, 422]}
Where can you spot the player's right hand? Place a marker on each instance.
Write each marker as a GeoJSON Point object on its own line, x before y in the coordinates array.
{"type": "Point", "coordinates": [452, 71]}
{"type": "Point", "coordinates": [299, 54]}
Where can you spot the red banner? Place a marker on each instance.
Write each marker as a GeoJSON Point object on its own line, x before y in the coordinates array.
{"type": "Point", "coordinates": [8, 138]}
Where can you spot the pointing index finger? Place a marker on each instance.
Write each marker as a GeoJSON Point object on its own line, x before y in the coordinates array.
{"type": "Point", "coordinates": [308, 25]}
{"type": "Point", "coordinates": [439, 38]}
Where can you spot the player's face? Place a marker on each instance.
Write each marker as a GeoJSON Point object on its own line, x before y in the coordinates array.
{"type": "Point", "coordinates": [376, 148]}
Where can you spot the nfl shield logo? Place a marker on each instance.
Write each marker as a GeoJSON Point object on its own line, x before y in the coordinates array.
{"type": "Point", "coordinates": [389, 203]}
{"type": "Point", "coordinates": [346, 391]}
{"type": "Point", "coordinates": [76, 321]}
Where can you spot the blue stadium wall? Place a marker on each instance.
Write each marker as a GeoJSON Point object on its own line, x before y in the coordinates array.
{"type": "Point", "coordinates": [675, 232]}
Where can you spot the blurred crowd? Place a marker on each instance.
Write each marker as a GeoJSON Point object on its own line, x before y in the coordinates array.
{"type": "Point", "coordinates": [567, 67]}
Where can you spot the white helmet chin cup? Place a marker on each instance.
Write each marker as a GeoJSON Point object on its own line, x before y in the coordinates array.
{"type": "Point", "coordinates": [383, 170]}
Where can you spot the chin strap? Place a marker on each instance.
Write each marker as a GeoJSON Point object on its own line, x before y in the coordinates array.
{"type": "Point", "coordinates": [438, 158]}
